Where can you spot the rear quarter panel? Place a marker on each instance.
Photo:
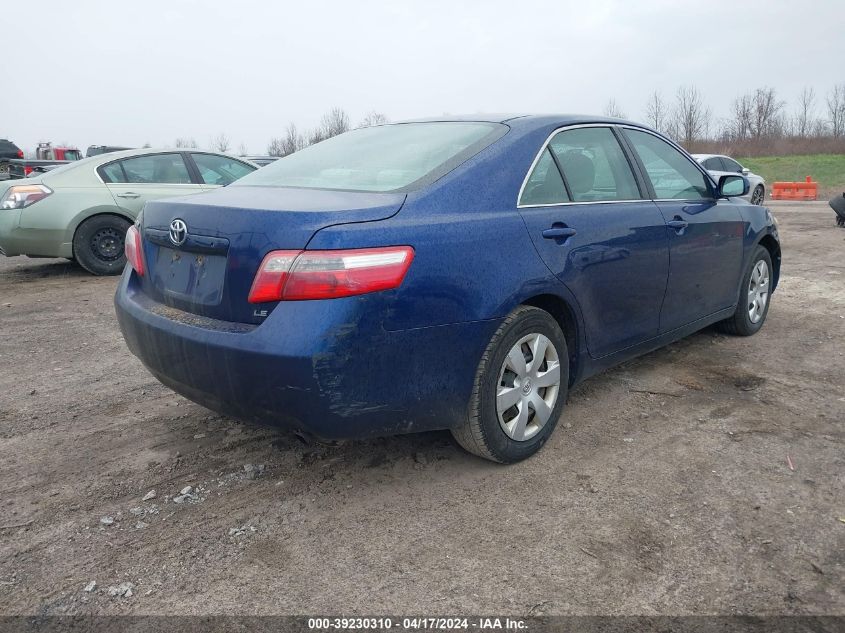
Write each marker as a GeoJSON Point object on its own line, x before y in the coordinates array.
{"type": "Point", "coordinates": [474, 259]}
{"type": "Point", "coordinates": [49, 225]}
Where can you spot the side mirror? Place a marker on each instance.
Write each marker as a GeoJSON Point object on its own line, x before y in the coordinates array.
{"type": "Point", "coordinates": [733, 186]}
{"type": "Point", "coordinates": [745, 171]}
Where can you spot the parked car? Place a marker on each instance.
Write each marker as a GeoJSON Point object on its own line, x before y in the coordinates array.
{"type": "Point", "coordinates": [447, 274]}
{"type": "Point", "coordinates": [262, 161]}
{"type": "Point", "coordinates": [96, 150]}
{"type": "Point", "coordinates": [46, 158]}
{"type": "Point", "coordinates": [8, 151]}
{"type": "Point", "coordinates": [721, 165]}
{"type": "Point", "coordinates": [82, 210]}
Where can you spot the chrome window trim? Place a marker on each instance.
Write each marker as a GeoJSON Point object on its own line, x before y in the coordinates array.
{"type": "Point", "coordinates": [155, 153]}
{"type": "Point", "coordinates": [536, 160]}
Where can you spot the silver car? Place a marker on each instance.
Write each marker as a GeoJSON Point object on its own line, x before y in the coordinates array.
{"type": "Point", "coordinates": [719, 165]}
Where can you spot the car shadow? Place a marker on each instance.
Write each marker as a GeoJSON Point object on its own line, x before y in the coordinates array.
{"type": "Point", "coordinates": [25, 268]}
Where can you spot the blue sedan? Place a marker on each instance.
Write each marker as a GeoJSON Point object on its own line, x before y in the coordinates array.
{"type": "Point", "coordinates": [456, 274]}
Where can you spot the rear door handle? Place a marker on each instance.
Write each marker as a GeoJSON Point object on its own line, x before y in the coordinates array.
{"type": "Point", "coordinates": [558, 233]}
{"type": "Point", "coordinates": [129, 194]}
{"type": "Point", "coordinates": [678, 224]}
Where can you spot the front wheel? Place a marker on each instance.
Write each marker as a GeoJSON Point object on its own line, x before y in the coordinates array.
{"type": "Point", "coordinates": [758, 194]}
{"type": "Point", "coordinates": [98, 244]}
{"type": "Point", "coordinates": [520, 388]}
{"type": "Point", "coordinates": [754, 300]}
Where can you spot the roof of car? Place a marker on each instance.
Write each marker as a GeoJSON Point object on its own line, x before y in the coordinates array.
{"type": "Point", "coordinates": [538, 120]}
{"type": "Point", "coordinates": [706, 156]}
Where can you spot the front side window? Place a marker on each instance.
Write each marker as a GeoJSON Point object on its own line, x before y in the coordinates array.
{"type": "Point", "coordinates": [220, 170]}
{"type": "Point", "coordinates": [544, 185]}
{"type": "Point", "coordinates": [380, 158]}
{"type": "Point", "coordinates": [594, 166]}
{"type": "Point", "coordinates": [673, 176]}
{"type": "Point", "coordinates": [169, 169]}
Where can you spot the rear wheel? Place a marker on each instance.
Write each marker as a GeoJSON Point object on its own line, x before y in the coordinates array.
{"type": "Point", "coordinates": [757, 195]}
{"type": "Point", "coordinates": [98, 245]}
{"type": "Point", "coordinates": [754, 298]}
{"type": "Point", "coordinates": [520, 388]}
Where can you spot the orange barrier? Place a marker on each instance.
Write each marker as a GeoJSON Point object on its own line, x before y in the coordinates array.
{"type": "Point", "coordinates": [807, 190]}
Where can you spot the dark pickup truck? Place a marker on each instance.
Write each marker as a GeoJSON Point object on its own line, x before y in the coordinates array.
{"type": "Point", "coordinates": [47, 158]}
{"type": "Point", "coordinates": [8, 151]}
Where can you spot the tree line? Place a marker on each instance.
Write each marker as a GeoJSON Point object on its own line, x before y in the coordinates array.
{"type": "Point", "coordinates": [335, 121]}
{"type": "Point", "coordinates": [758, 121]}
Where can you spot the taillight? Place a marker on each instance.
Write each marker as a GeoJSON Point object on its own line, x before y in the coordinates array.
{"type": "Point", "coordinates": [21, 196]}
{"type": "Point", "coordinates": [134, 252]}
{"type": "Point", "coordinates": [300, 275]}
{"type": "Point", "coordinates": [20, 153]}
{"type": "Point", "coordinates": [27, 170]}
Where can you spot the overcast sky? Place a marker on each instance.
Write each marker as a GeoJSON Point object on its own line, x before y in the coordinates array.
{"type": "Point", "coordinates": [136, 71]}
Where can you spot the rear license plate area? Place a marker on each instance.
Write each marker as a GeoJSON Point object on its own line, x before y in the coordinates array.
{"type": "Point", "coordinates": [194, 277]}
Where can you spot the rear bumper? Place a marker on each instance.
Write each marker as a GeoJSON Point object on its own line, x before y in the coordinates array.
{"type": "Point", "coordinates": [326, 367]}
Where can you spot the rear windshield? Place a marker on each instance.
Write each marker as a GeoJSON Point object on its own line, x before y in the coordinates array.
{"type": "Point", "coordinates": [383, 158]}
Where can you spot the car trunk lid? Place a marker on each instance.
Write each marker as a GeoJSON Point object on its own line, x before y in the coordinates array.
{"type": "Point", "coordinates": [202, 252]}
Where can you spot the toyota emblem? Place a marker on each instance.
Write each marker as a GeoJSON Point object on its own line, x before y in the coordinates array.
{"type": "Point", "coordinates": [178, 232]}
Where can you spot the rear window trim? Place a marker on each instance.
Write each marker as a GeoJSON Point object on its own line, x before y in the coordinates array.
{"type": "Point", "coordinates": [497, 131]}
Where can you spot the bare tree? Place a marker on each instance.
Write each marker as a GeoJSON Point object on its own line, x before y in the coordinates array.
{"type": "Point", "coordinates": [741, 114]}
{"type": "Point", "coordinates": [657, 113]}
{"type": "Point", "coordinates": [185, 142]}
{"type": "Point", "coordinates": [291, 142]}
{"type": "Point", "coordinates": [836, 110]}
{"type": "Point", "coordinates": [804, 117]}
{"type": "Point", "coordinates": [690, 117]}
{"type": "Point", "coordinates": [334, 122]}
{"type": "Point", "coordinates": [373, 118]}
{"type": "Point", "coordinates": [221, 143]}
{"type": "Point", "coordinates": [274, 147]}
{"type": "Point", "coordinates": [765, 120]}
{"type": "Point", "coordinates": [242, 149]}
{"type": "Point", "coordinates": [612, 109]}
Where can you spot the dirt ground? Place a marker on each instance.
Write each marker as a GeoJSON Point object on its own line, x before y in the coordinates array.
{"type": "Point", "coordinates": [666, 489]}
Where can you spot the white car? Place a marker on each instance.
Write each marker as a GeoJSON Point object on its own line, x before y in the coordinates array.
{"type": "Point", "coordinates": [719, 165]}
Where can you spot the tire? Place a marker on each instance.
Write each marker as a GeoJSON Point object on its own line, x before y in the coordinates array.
{"type": "Point", "coordinates": [98, 244]}
{"type": "Point", "coordinates": [482, 432]}
{"type": "Point", "coordinates": [758, 195]}
{"type": "Point", "coordinates": [743, 322]}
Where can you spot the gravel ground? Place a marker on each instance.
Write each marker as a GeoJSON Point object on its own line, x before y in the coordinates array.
{"type": "Point", "coordinates": [706, 477]}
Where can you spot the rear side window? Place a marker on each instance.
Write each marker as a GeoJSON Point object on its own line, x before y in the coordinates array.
{"type": "Point", "coordinates": [713, 164]}
{"type": "Point", "coordinates": [544, 185]}
{"type": "Point", "coordinates": [594, 166]}
{"type": "Point", "coordinates": [731, 165]}
{"type": "Point", "coordinates": [153, 169]}
{"type": "Point", "coordinates": [673, 176]}
{"type": "Point", "coordinates": [112, 172]}
{"type": "Point", "coordinates": [220, 170]}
